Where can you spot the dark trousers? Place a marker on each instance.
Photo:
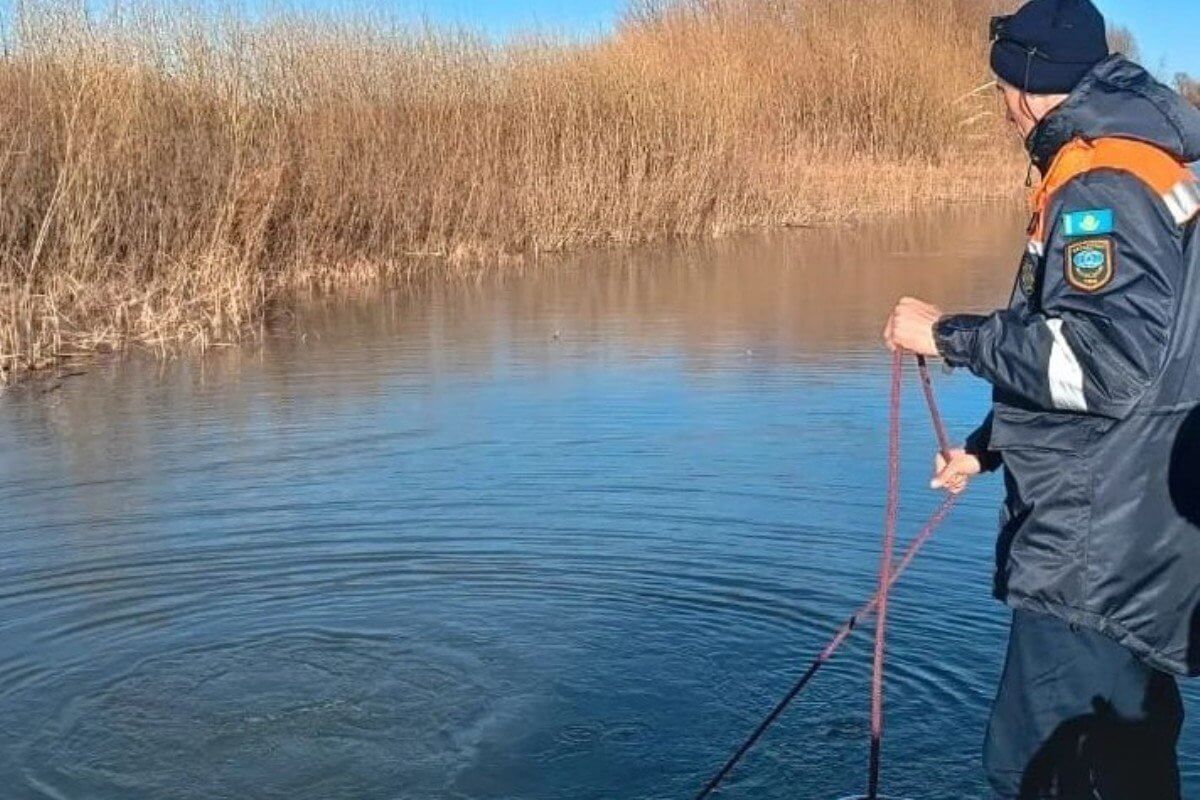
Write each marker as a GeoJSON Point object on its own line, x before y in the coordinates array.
{"type": "Point", "coordinates": [1080, 717]}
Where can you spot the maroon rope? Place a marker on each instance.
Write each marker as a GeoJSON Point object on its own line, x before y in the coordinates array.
{"type": "Point", "coordinates": [901, 566]}
{"type": "Point", "coordinates": [939, 428]}
{"type": "Point", "coordinates": [914, 547]}
{"type": "Point", "coordinates": [885, 569]}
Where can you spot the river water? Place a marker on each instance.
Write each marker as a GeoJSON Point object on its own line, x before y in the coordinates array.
{"type": "Point", "coordinates": [564, 532]}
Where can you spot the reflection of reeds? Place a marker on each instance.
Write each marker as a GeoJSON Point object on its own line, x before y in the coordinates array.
{"type": "Point", "coordinates": [164, 178]}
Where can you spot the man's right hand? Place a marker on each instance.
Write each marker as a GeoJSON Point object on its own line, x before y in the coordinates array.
{"type": "Point", "coordinates": [954, 474]}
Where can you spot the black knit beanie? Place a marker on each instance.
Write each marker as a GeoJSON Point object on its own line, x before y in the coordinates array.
{"type": "Point", "coordinates": [1048, 45]}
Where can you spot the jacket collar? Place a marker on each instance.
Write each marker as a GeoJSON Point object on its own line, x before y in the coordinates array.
{"type": "Point", "coordinates": [1057, 128]}
{"type": "Point", "coordinates": [1045, 142]}
{"type": "Point", "coordinates": [1119, 98]}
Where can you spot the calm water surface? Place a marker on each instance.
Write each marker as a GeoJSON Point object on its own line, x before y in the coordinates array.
{"type": "Point", "coordinates": [562, 534]}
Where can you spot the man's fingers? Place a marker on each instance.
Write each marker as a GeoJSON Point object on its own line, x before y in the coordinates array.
{"type": "Point", "coordinates": [954, 483]}
{"type": "Point", "coordinates": [955, 473]}
{"type": "Point", "coordinates": [949, 476]}
{"type": "Point", "coordinates": [939, 479]}
{"type": "Point", "coordinates": [915, 303]}
{"type": "Point", "coordinates": [889, 333]}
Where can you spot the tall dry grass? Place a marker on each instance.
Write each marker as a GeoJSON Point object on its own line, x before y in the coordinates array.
{"type": "Point", "coordinates": [1189, 87]}
{"type": "Point", "coordinates": [167, 179]}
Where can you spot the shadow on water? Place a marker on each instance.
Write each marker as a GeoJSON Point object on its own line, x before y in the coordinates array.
{"type": "Point", "coordinates": [1107, 754]}
{"type": "Point", "coordinates": [1184, 476]}
{"type": "Point", "coordinates": [1184, 485]}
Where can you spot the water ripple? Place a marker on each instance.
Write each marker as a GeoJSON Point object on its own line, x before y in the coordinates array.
{"type": "Point", "coordinates": [434, 552]}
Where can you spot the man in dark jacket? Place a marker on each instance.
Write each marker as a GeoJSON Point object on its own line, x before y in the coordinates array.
{"type": "Point", "coordinates": [1095, 366]}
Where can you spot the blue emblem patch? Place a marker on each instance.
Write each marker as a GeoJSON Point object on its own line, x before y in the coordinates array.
{"type": "Point", "coordinates": [1097, 222]}
{"type": "Point", "coordinates": [1091, 264]}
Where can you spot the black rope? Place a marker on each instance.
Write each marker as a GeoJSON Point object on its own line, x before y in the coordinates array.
{"type": "Point", "coordinates": [876, 759]}
{"type": "Point", "coordinates": [779, 708]}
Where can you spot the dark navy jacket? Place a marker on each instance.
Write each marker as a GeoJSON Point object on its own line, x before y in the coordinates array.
{"type": "Point", "coordinates": [1096, 414]}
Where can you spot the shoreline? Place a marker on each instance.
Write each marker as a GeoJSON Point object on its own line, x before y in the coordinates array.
{"type": "Point", "coordinates": [82, 345]}
{"type": "Point", "coordinates": [171, 180]}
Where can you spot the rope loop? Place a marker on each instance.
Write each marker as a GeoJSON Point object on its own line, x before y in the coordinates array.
{"type": "Point", "coordinates": [877, 604]}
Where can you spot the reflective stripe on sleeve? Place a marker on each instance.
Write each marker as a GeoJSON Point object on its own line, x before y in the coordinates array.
{"type": "Point", "coordinates": [1065, 373]}
{"type": "Point", "coordinates": [1183, 201]}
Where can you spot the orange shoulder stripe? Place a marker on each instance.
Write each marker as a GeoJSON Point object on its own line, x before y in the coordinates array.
{"type": "Point", "coordinates": [1169, 179]}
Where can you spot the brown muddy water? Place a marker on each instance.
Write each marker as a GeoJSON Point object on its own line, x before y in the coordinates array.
{"type": "Point", "coordinates": [559, 534]}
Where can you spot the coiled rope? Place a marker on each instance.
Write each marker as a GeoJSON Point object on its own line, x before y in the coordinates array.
{"type": "Point", "coordinates": [878, 602]}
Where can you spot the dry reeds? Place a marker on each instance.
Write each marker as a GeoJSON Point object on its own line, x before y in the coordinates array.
{"type": "Point", "coordinates": [165, 178]}
{"type": "Point", "coordinates": [1189, 87]}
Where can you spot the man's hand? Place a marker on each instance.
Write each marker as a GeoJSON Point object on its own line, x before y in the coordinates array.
{"type": "Point", "coordinates": [953, 475]}
{"type": "Point", "coordinates": [910, 327]}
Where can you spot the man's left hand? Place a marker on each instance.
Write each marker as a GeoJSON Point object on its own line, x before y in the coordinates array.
{"type": "Point", "coordinates": [910, 327]}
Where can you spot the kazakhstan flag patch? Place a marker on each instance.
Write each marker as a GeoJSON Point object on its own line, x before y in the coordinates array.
{"type": "Point", "coordinates": [1097, 222]}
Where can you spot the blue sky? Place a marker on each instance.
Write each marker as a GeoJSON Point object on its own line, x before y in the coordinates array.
{"type": "Point", "coordinates": [575, 16]}
{"type": "Point", "coordinates": [1168, 30]}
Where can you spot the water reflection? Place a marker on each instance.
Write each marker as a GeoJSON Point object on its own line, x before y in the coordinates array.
{"type": "Point", "coordinates": [555, 533]}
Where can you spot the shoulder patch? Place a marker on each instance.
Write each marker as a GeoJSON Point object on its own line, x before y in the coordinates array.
{"type": "Point", "coordinates": [1027, 277]}
{"type": "Point", "coordinates": [1091, 263]}
{"type": "Point", "coordinates": [1096, 222]}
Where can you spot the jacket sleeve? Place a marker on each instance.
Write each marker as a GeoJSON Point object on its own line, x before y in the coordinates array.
{"type": "Point", "coordinates": [979, 444]}
{"type": "Point", "coordinates": [1098, 337]}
